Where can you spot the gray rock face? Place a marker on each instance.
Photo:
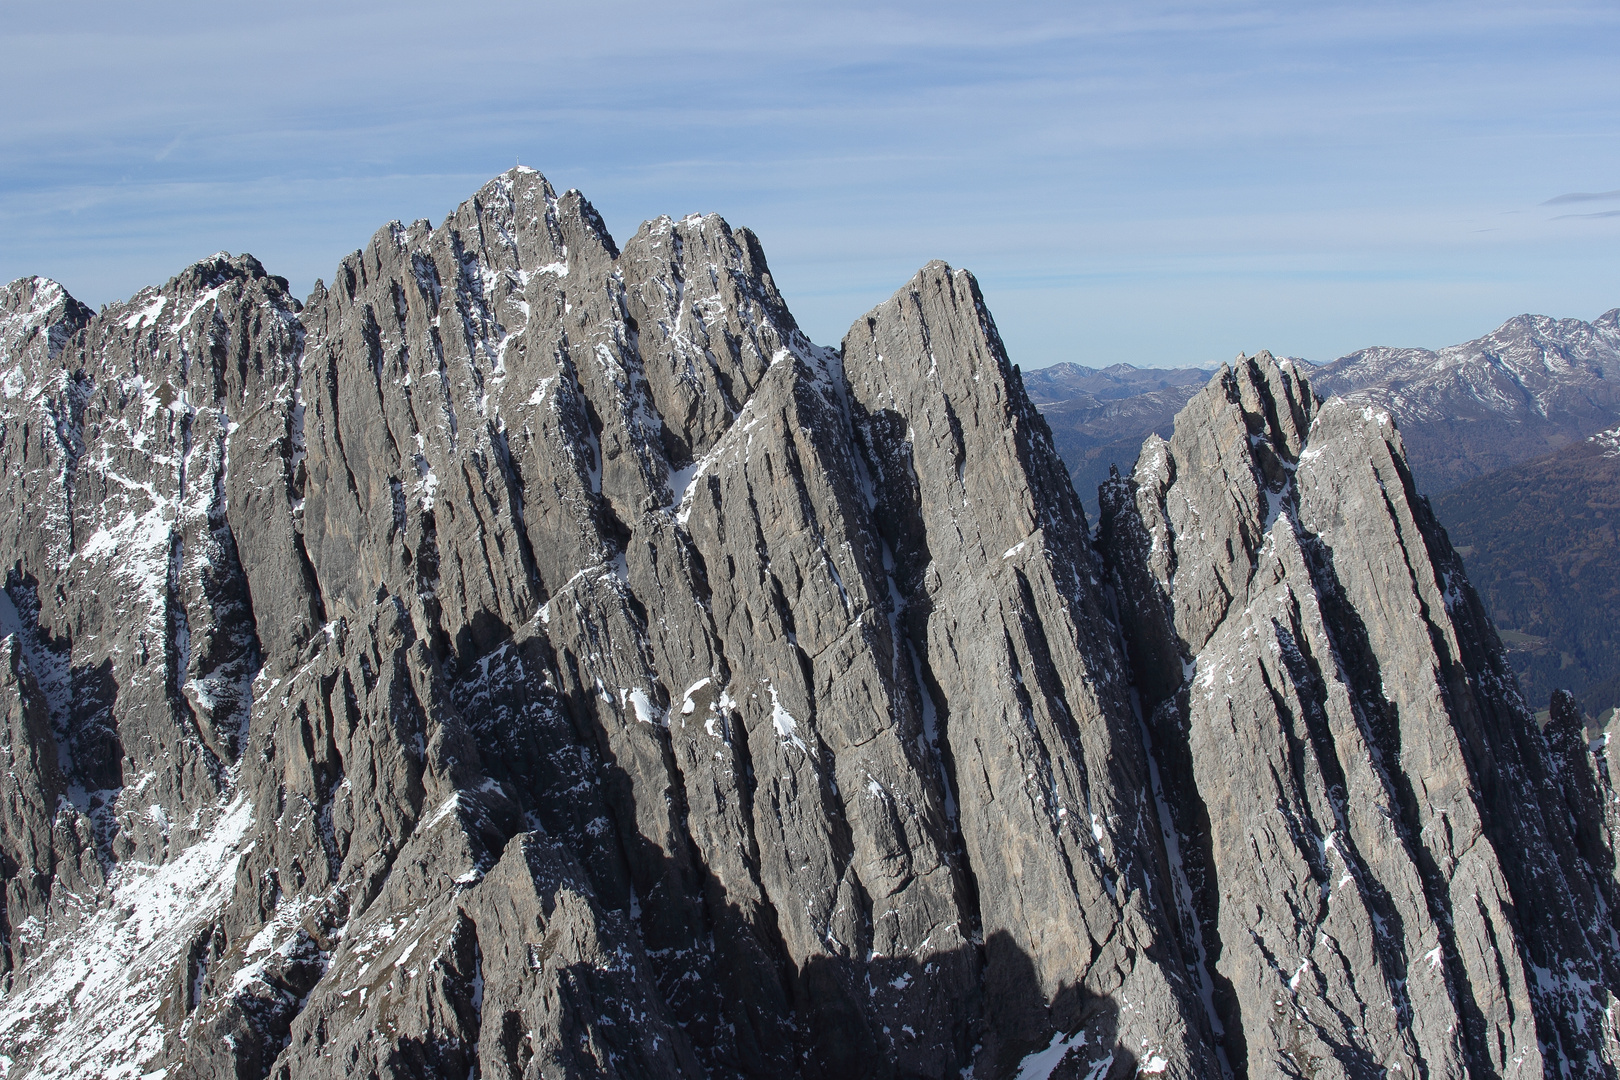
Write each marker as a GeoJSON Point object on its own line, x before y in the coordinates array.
{"type": "Point", "coordinates": [1381, 871]}
{"type": "Point", "coordinates": [533, 658]}
{"type": "Point", "coordinates": [998, 587]}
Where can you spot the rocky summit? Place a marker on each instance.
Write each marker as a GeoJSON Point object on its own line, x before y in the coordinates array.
{"type": "Point", "coordinates": [528, 657]}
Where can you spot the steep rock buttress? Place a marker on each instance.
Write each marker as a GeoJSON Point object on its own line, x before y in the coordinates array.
{"type": "Point", "coordinates": [1380, 870]}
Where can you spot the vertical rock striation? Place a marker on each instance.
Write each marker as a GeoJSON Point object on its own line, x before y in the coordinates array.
{"type": "Point", "coordinates": [531, 657]}
{"type": "Point", "coordinates": [1381, 873]}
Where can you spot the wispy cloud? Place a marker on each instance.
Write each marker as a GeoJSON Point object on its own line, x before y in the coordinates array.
{"type": "Point", "coordinates": [1599, 214]}
{"type": "Point", "coordinates": [170, 147]}
{"type": "Point", "coordinates": [1583, 196]}
{"type": "Point", "coordinates": [1120, 161]}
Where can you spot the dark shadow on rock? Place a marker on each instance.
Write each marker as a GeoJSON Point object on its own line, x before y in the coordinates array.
{"type": "Point", "coordinates": [241, 1035]}
{"type": "Point", "coordinates": [1157, 658]}
{"type": "Point", "coordinates": [1584, 781]}
{"type": "Point", "coordinates": [832, 1018]}
{"type": "Point", "coordinates": [1018, 1022]}
{"type": "Point", "coordinates": [443, 1053]}
{"type": "Point", "coordinates": [83, 718]}
{"type": "Point", "coordinates": [830, 1014]}
{"type": "Point", "coordinates": [732, 996]}
{"type": "Point", "coordinates": [1380, 719]}
{"type": "Point", "coordinates": [93, 738]}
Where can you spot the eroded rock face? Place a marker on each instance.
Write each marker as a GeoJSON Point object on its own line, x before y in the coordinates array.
{"type": "Point", "coordinates": [1381, 871]}
{"type": "Point", "coordinates": [528, 657]}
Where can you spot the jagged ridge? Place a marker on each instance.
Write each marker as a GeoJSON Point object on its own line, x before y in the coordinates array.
{"type": "Point", "coordinates": [532, 657]}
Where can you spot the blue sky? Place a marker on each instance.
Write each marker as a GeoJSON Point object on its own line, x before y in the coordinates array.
{"type": "Point", "coordinates": [1156, 184]}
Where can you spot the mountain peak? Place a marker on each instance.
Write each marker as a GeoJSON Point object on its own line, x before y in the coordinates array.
{"type": "Point", "coordinates": [538, 655]}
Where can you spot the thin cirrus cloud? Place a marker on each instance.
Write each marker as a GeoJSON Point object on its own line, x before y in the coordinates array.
{"type": "Point", "coordinates": [1583, 196]}
{"type": "Point", "coordinates": [1163, 183]}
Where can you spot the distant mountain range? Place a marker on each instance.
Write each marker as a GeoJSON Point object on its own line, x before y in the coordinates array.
{"type": "Point", "coordinates": [1099, 417]}
{"type": "Point", "coordinates": [1524, 398]}
{"type": "Point", "coordinates": [1074, 382]}
{"type": "Point", "coordinates": [1529, 387]}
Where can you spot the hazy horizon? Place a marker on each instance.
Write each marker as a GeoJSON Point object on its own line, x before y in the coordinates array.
{"type": "Point", "coordinates": [1162, 186]}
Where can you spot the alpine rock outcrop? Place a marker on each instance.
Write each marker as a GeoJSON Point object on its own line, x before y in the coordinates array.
{"type": "Point", "coordinates": [530, 657]}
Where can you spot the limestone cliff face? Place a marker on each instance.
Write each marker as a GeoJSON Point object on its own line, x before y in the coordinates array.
{"type": "Point", "coordinates": [528, 657]}
{"type": "Point", "coordinates": [1382, 872]}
